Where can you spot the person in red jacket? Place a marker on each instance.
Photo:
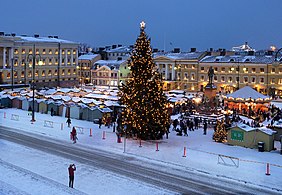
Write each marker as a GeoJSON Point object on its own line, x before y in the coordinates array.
{"type": "Point", "coordinates": [72, 168]}
{"type": "Point", "coordinates": [74, 135]}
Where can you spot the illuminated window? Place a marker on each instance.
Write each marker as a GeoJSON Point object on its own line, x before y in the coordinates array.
{"type": "Point", "coordinates": [230, 79]}
{"type": "Point", "coordinates": [280, 70]}
{"type": "Point", "coordinates": [22, 74]}
{"type": "Point", "coordinates": [272, 81]}
{"type": "Point", "coordinates": [202, 78]}
{"type": "Point", "coordinates": [56, 61]}
{"type": "Point", "coordinates": [74, 71]}
{"type": "Point", "coordinates": [68, 61]}
{"type": "Point", "coordinates": [23, 51]}
{"type": "Point", "coordinates": [44, 51]}
{"type": "Point", "coordinates": [56, 72]}
{"type": "Point", "coordinates": [63, 51]}
{"type": "Point", "coordinates": [63, 72]}
{"type": "Point", "coordinates": [215, 78]}
{"type": "Point", "coordinates": [253, 70]}
{"type": "Point", "coordinates": [74, 52]}
{"type": "Point", "coordinates": [30, 51]}
{"type": "Point", "coordinates": [222, 79]}
{"type": "Point", "coordinates": [37, 51]}
{"type": "Point", "coordinates": [36, 73]}
{"type": "Point", "coordinates": [69, 72]}
{"type": "Point", "coordinates": [273, 70]}
{"type": "Point", "coordinates": [16, 51]}
{"type": "Point", "coordinates": [246, 79]}
{"type": "Point", "coordinates": [202, 69]}
{"type": "Point", "coordinates": [261, 70]}
{"type": "Point", "coordinates": [261, 80]}
{"type": "Point", "coordinates": [43, 73]}
{"type": "Point", "coordinates": [50, 51]}
{"type": "Point", "coordinates": [56, 51]}
{"type": "Point", "coordinates": [8, 75]}
{"type": "Point", "coordinates": [16, 75]}
{"type": "Point", "coordinates": [68, 52]}
{"type": "Point", "coordinates": [29, 74]}
{"type": "Point", "coordinates": [280, 81]}
{"type": "Point", "coordinates": [16, 62]}
{"type": "Point", "coordinates": [253, 79]}
{"type": "Point", "coordinates": [49, 73]}
{"type": "Point", "coordinates": [223, 69]}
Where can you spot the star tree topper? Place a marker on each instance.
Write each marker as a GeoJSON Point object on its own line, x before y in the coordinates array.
{"type": "Point", "coordinates": [142, 25]}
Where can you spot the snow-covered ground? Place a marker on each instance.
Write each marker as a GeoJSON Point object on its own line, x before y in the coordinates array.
{"type": "Point", "coordinates": [202, 157]}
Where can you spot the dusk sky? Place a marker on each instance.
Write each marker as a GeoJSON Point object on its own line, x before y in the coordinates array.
{"type": "Point", "coordinates": [202, 24]}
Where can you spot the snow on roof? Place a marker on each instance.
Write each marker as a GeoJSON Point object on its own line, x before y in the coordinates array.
{"type": "Point", "coordinates": [267, 130]}
{"type": "Point", "coordinates": [179, 56]}
{"type": "Point", "coordinates": [104, 109]}
{"type": "Point", "coordinates": [42, 39]}
{"type": "Point", "coordinates": [109, 62]}
{"type": "Point", "coordinates": [246, 93]}
{"type": "Point", "coordinates": [276, 104]}
{"type": "Point", "coordinates": [50, 91]}
{"type": "Point", "coordinates": [122, 49]}
{"type": "Point", "coordinates": [239, 59]}
{"type": "Point", "coordinates": [111, 103]}
{"type": "Point", "coordinates": [88, 56]}
{"type": "Point", "coordinates": [244, 47]}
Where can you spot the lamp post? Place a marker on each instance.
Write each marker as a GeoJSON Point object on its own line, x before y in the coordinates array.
{"type": "Point", "coordinates": [33, 56]}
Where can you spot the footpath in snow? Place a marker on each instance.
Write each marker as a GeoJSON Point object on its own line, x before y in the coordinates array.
{"type": "Point", "coordinates": [202, 153]}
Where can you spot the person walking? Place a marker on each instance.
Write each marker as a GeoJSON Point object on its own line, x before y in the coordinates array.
{"type": "Point", "coordinates": [71, 169]}
{"type": "Point", "coordinates": [100, 123]}
{"type": "Point", "coordinates": [68, 122]}
{"type": "Point", "coordinates": [205, 127]}
{"type": "Point", "coordinates": [74, 135]}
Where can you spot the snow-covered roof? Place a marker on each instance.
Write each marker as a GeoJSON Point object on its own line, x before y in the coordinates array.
{"type": "Point", "coordinates": [109, 62]}
{"type": "Point", "coordinates": [179, 56]}
{"type": "Point", "coordinates": [88, 56]}
{"type": "Point", "coordinates": [42, 39]}
{"type": "Point", "coordinates": [121, 49]}
{"type": "Point", "coordinates": [247, 128]}
{"type": "Point", "coordinates": [238, 59]}
{"type": "Point", "coordinates": [247, 93]}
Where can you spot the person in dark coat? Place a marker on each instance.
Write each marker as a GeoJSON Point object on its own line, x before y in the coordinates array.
{"type": "Point", "coordinates": [205, 127]}
{"type": "Point", "coordinates": [100, 122]}
{"type": "Point", "coordinates": [174, 124]}
{"type": "Point", "coordinates": [71, 169]}
{"type": "Point", "coordinates": [68, 122]}
{"type": "Point", "coordinates": [74, 135]}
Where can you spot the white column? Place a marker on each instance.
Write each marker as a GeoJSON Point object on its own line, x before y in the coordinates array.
{"type": "Point", "coordinates": [4, 57]}
{"type": "Point", "coordinates": [11, 54]}
{"type": "Point", "coordinates": [66, 57]}
{"type": "Point", "coordinates": [71, 57]}
{"type": "Point", "coordinates": [166, 72]}
{"type": "Point", "coordinates": [60, 54]}
{"type": "Point", "coordinates": [173, 72]}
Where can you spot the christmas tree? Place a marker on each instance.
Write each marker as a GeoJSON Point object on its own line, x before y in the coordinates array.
{"type": "Point", "coordinates": [145, 113]}
{"type": "Point", "coordinates": [220, 134]}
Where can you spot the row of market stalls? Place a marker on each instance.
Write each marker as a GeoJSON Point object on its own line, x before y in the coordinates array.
{"type": "Point", "coordinates": [63, 102]}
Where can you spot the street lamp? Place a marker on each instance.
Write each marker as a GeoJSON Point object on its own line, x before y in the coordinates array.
{"type": "Point", "coordinates": [33, 57]}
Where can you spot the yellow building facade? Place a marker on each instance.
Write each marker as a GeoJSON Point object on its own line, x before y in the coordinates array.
{"type": "Point", "coordinates": [58, 57]}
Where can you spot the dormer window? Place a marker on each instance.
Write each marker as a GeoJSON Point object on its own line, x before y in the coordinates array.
{"type": "Point", "coordinates": [231, 60]}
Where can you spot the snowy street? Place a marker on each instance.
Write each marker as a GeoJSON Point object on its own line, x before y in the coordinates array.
{"type": "Point", "coordinates": [201, 159]}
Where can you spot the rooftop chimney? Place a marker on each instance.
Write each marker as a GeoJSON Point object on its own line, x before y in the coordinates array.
{"type": "Point", "coordinates": [2, 33]}
{"type": "Point", "coordinates": [193, 49]}
{"type": "Point", "coordinates": [114, 46]}
{"type": "Point", "coordinates": [50, 36]}
{"type": "Point", "coordinates": [36, 35]}
{"type": "Point", "coordinates": [176, 50]}
{"type": "Point", "coordinates": [13, 34]}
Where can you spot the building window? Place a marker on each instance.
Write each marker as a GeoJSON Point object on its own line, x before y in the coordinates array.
{"type": "Point", "coordinates": [272, 81]}
{"type": "Point", "coordinates": [30, 51]}
{"type": "Point", "coordinates": [56, 72]}
{"type": "Point", "coordinates": [215, 69]}
{"type": "Point", "coordinates": [29, 74]}
{"type": "Point", "coordinates": [261, 80]}
{"type": "Point", "coordinates": [273, 70]}
{"type": "Point", "coordinates": [63, 51]}
{"type": "Point", "coordinates": [202, 78]}
{"type": "Point", "coordinates": [192, 76]}
{"type": "Point", "coordinates": [8, 75]}
{"type": "Point", "coordinates": [253, 79]}
{"type": "Point", "coordinates": [16, 51]}
{"type": "Point", "coordinates": [253, 70]}
{"type": "Point", "coordinates": [185, 75]}
{"type": "Point", "coordinates": [50, 51]}
{"type": "Point", "coordinates": [222, 79]}
{"type": "Point", "coordinates": [23, 51]}
{"type": "Point", "coordinates": [193, 66]}
{"type": "Point", "coordinates": [246, 79]}
{"type": "Point", "coordinates": [49, 73]}
{"type": "Point", "coordinates": [261, 70]}
{"type": "Point", "coordinates": [43, 73]}
{"type": "Point", "coordinates": [56, 52]}
{"type": "Point", "coordinates": [280, 81]}
{"type": "Point", "coordinates": [69, 71]}
{"type": "Point", "coordinates": [202, 69]}
{"type": "Point", "coordinates": [230, 79]}
{"type": "Point", "coordinates": [215, 78]}
{"type": "Point", "coordinates": [36, 73]}
{"type": "Point", "coordinates": [63, 72]}
{"type": "Point", "coordinates": [222, 69]}
{"type": "Point", "coordinates": [37, 51]}
{"type": "Point", "coordinates": [44, 51]}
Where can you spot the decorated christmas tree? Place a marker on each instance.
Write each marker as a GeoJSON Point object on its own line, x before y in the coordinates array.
{"type": "Point", "coordinates": [145, 113]}
{"type": "Point", "coordinates": [220, 133]}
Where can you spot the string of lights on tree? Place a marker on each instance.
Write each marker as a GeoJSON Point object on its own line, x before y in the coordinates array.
{"type": "Point", "coordinates": [220, 134]}
{"type": "Point", "coordinates": [145, 113]}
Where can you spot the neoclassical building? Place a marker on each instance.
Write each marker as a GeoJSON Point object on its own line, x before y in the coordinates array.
{"type": "Point", "coordinates": [58, 61]}
{"type": "Point", "coordinates": [179, 70]}
{"type": "Point", "coordinates": [85, 64]}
